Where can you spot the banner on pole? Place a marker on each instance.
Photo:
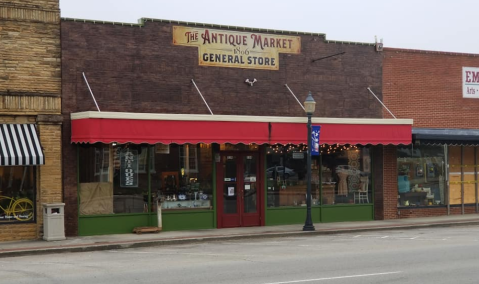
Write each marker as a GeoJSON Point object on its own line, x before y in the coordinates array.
{"type": "Point", "coordinates": [316, 129]}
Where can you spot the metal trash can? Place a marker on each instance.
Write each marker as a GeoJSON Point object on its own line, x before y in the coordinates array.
{"type": "Point", "coordinates": [54, 222]}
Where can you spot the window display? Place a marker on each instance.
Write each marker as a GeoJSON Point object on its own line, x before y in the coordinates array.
{"type": "Point", "coordinates": [110, 179]}
{"type": "Point", "coordinates": [116, 179]}
{"type": "Point", "coordinates": [339, 175]}
{"type": "Point", "coordinates": [345, 174]}
{"type": "Point", "coordinates": [286, 176]}
{"type": "Point", "coordinates": [17, 194]}
{"type": "Point", "coordinates": [421, 177]}
{"type": "Point", "coordinates": [183, 177]}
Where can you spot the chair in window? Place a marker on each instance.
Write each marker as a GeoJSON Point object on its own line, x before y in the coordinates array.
{"type": "Point", "coordinates": [361, 195]}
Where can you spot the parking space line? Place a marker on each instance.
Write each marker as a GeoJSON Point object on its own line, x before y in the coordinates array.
{"type": "Point", "coordinates": [338, 277]}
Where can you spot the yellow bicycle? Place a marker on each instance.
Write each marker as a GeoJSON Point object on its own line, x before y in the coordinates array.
{"type": "Point", "coordinates": [20, 209]}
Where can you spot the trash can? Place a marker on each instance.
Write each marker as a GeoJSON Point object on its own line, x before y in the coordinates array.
{"type": "Point", "coordinates": [53, 222]}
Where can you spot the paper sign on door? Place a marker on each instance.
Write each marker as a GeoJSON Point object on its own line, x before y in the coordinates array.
{"type": "Point", "coordinates": [247, 187]}
{"type": "Point", "coordinates": [231, 191]}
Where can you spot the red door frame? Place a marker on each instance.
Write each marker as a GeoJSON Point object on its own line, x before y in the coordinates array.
{"type": "Point", "coordinates": [240, 219]}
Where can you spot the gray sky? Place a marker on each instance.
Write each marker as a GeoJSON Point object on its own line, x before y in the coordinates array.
{"type": "Point", "coordinates": [441, 25]}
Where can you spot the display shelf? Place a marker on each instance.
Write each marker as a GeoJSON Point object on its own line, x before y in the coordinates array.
{"type": "Point", "coordinates": [186, 204]}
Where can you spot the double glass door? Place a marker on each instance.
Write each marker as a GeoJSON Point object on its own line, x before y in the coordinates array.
{"type": "Point", "coordinates": [239, 191]}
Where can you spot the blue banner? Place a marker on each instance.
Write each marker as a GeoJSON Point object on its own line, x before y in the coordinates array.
{"type": "Point", "coordinates": [315, 140]}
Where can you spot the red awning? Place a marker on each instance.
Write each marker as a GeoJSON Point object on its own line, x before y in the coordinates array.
{"type": "Point", "coordinates": [92, 127]}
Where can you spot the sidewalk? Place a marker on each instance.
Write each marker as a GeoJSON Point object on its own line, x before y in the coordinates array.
{"type": "Point", "coordinates": [120, 241]}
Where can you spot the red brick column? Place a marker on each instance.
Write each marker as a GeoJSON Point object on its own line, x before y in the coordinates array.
{"type": "Point", "coordinates": [390, 185]}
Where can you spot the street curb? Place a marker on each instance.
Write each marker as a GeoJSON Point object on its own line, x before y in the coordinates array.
{"type": "Point", "coordinates": [213, 238]}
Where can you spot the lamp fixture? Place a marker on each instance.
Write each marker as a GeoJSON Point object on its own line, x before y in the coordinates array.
{"type": "Point", "coordinates": [309, 104]}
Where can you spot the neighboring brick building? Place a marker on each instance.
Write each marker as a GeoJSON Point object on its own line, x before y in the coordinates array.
{"type": "Point", "coordinates": [427, 86]}
{"type": "Point", "coordinates": [30, 94]}
{"type": "Point", "coordinates": [147, 68]}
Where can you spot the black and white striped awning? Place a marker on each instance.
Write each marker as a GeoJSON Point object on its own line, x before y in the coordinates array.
{"type": "Point", "coordinates": [20, 146]}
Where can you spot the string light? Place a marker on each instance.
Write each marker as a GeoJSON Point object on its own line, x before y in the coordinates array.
{"type": "Point", "coordinates": [324, 148]}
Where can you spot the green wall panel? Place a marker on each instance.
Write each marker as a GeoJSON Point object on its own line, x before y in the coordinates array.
{"type": "Point", "coordinates": [339, 213]}
{"type": "Point", "coordinates": [290, 215]}
{"type": "Point", "coordinates": [124, 224]}
{"type": "Point", "coordinates": [175, 221]}
{"type": "Point", "coordinates": [111, 224]}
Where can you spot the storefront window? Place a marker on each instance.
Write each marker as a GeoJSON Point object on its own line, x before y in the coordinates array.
{"type": "Point", "coordinates": [113, 179]}
{"type": "Point", "coordinates": [17, 194]}
{"type": "Point", "coordinates": [345, 174]}
{"type": "Point", "coordinates": [342, 173]}
{"type": "Point", "coordinates": [183, 175]}
{"type": "Point", "coordinates": [421, 177]}
{"type": "Point", "coordinates": [286, 176]}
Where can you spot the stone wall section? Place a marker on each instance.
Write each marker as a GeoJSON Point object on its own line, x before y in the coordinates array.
{"type": "Point", "coordinates": [30, 92]}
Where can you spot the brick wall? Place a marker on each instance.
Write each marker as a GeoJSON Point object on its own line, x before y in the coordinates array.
{"type": "Point", "coordinates": [50, 173]}
{"type": "Point", "coordinates": [427, 87]}
{"type": "Point", "coordinates": [30, 77]}
{"type": "Point", "coordinates": [390, 190]}
{"type": "Point", "coordinates": [70, 168]}
{"type": "Point", "coordinates": [436, 211]}
{"type": "Point", "coordinates": [30, 92]}
{"type": "Point", "coordinates": [18, 232]}
{"type": "Point", "coordinates": [133, 68]}
{"type": "Point", "coordinates": [138, 69]}
{"type": "Point", "coordinates": [377, 175]}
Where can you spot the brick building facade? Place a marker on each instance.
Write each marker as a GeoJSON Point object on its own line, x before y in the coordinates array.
{"type": "Point", "coordinates": [138, 69]}
{"type": "Point", "coordinates": [427, 86]}
{"type": "Point", "coordinates": [30, 93]}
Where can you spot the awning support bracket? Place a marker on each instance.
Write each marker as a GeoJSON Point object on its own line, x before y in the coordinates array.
{"type": "Point", "coordinates": [88, 85]}
{"type": "Point", "coordinates": [202, 96]}
{"type": "Point", "coordinates": [381, 103]}
{"type": "Point", "coordinates": [286, 85]}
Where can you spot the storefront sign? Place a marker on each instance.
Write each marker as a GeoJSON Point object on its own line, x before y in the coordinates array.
{"type": "Point", "coordinates": [129, 168]}
{"type": "Point", "coordinates": [470, 82]}
{"type": "Point", "coordinates": [298, 155]}
{"type": "Point", "coordinates": [315, 140]}
{"type": "Point", "coordinates": [223, 48]}
{"type": "Point", "coordinates": [162, 148]}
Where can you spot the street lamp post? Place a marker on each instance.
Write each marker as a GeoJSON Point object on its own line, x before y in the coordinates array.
{"type": "Point", "coordinates": [309, 106]}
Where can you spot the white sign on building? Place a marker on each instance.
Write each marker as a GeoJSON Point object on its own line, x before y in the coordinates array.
{"type": "Point", "coordinates": [470, 82]}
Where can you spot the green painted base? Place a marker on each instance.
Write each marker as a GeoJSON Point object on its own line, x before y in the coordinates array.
{"type": "Point", "coordinates": [111, 224]}
{"type": "Point", "coordinates": [290, 215]}
{"type": "Point", "coordinates": [196, 220]}
{"type": "Point", "coordinates": [125, 223]}
{"type": "Point", "coordinates": [333, 213]}
{"type": "Point", "coordinates": [177, 220]}
{"type": "Point", "coordinates": [343, 213]}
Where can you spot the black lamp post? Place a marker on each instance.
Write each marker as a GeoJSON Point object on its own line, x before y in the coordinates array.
{"type": "Point", "coordinates": [309, 106]}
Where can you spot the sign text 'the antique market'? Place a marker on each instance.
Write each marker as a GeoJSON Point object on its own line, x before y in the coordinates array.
{"type": "Point", "coordinates": [236, 49]}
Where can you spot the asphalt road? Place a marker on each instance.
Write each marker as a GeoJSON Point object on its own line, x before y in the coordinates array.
{"type": "Point", "coordinates": [432, 255]}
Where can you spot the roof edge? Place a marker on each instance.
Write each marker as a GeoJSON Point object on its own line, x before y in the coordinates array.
{"type": "Point", "coordinates": [405, 50]}
{"type": "Point", "coordinates": [142, 21]}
